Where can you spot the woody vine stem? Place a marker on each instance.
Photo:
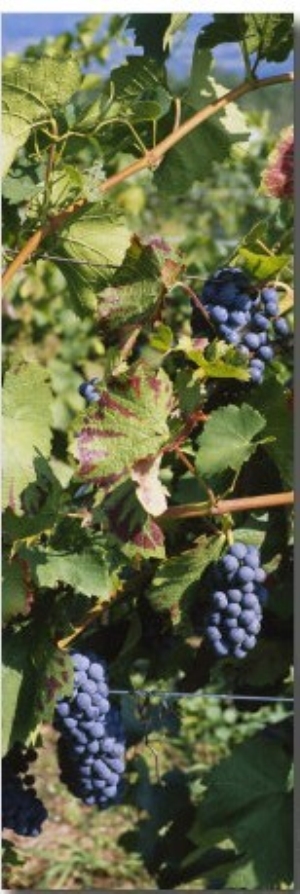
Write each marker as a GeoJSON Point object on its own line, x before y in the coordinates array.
{"type": "Point", "coordinates": [222, 507]}
{"type": "Point", "coordinates": [151, 159]}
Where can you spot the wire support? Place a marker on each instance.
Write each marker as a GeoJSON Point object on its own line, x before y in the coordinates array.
{"type": "Point", "coordinates": [165, 695]}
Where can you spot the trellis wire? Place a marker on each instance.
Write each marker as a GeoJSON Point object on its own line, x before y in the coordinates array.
{"type": "Point", "coordinates": [78, 262]}
{"type": "Point", "coordinates": [166, 695]}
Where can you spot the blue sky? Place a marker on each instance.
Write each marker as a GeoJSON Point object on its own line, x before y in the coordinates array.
{"type": "Point", "coordinates": [19, 30]}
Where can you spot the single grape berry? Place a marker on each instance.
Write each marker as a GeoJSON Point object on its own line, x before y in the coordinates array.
{"type": "Point", "coordinates": [22, 810]}
{"type": "Point", "coordinates": [91, 747]}
{"type": "Point", "coordinates": [237, 593]}
{"type": "Point", "coordinates": [88, 391]}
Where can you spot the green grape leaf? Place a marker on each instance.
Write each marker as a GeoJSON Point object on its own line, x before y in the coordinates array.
{"type": "Point", "coordinates": [193, 157]}
{"type": "Point", "coordinates": [128, 424]}
{"type": "Point", "coordinates": [175, 576]}
{"type": "Point", "coordinates": [214, 361]}
{"type": "Point", "coordinates": [140, 282]}
{"type": "Point", "coordinates": [86, 572]}
{"type": "Point", "coordinates": [94, 240]}
{"type": "Point", "coordinates": [31, 681]}
{"type": "Point", "coordinates": [23, 182]}
{"type": "Point", "coordinates": [228, 439]}
{"type": "Point", "coordinates": [270, 36]}
{"type": "Point", "coordinates": [242, 876]}
{"type": "Point", "coordinates": [262, 267]}
{"type": "Point", "coordinates": [43, 502]}
{"type": "Point", "coordinates": [243, 791]}
{"type": "Point", "coordinates": [223, 29]}
{"type": "Point", "coordinates": [31, 91]}
{"type": "Point", "coordinates": [270, 400]}
{"type": "Point", "coordinates": [137, 82]}
{"type": "Point", "coordinates": [27, 434]}
{"type": "Point", "coordinates": [66, 186]}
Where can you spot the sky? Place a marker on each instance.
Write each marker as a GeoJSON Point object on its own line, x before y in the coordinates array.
{"type": "Point", "coordinates": [19, 30]}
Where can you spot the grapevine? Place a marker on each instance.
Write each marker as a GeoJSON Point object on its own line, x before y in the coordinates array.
{"type": "Point", "coordinates": [148, 454]}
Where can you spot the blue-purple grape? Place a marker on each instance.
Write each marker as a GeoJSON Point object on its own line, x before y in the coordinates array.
{"type": "Point", "coordinates": [88, 391]}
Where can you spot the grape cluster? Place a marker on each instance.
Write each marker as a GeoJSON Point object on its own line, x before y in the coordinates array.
{"type": "Point", "coordinates": [88, 391]}
{"type": "Point", "coordinates": [243, 316]}
{"type": "Point", "coordinates": [91, 747]}
{"type": "Point", "coordinates": [22, 810]}
{"type": "Point", "coordinates": [236, 601]}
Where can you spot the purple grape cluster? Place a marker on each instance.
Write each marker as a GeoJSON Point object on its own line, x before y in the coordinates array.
{"type": "Point", "coordinates": [236, 601]}
{"type": "Point", "coordinates": [88, 391]}
{"type": "Point", "coordinates": [91, 747]}
{"type": "Point", "coordinates": [242, 315]}
{"type": "Point", "coordinates": [22, 810]}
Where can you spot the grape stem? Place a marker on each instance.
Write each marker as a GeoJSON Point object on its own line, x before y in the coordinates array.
{"type": "Point", "coordinates": [151, 159]}
{"type": "Point", "coordinates": [222, 507]}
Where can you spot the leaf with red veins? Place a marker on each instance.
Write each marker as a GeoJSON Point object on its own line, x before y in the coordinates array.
{"type": "Point", "coordinates": [129, 523]}
{"type": "Point", "coordinates": [149, 541]}
{"type": "Point", "coordinates": [129, 424]}
{"type": "Point", "coordinates": [150, 492]}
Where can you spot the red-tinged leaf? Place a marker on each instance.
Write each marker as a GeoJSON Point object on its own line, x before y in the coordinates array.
{"type": "Point", "coordinates": [17, 593]}
{"type": "Point", "coordinates": [147, 272]}
{"type": "Point", "coordinates": [278, 176]}
{"type": "Point", "coordinates": [129, 523]}
{"type": "Point", "coordinates": [128, 424]}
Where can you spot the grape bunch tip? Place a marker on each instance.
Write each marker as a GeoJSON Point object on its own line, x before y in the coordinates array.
{"type": "Point", "coordinates": [236, 601]}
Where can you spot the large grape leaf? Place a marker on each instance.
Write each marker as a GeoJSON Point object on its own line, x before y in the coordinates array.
{"type": "Point", "coordinates": [31, 681]}
{"type": "Point", "coordinates": [86, 572]}
{"type": "Point", "coordinates": [26, 428]}
{"type": "Point", "coordinates": [94, 240]}
{"type": "Point", "coordinates": [31, 91]}
{"type": "Point", "coordinates": [270, 400]}
{"type": "Point", "coordinates": [174, 577]}
{"type": "Point", "coordinates": [228, 439]}
{"type": "Point", "coordinates": [129, 423]}
{"type": "Point", "coordinates": [243, 792]}
{"type": "Point", "coordinates": [193, 157]}
{"type": "Point", "coordinates": [140, 88]}
{"type": "Point", "coordinates": [146, 272]}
